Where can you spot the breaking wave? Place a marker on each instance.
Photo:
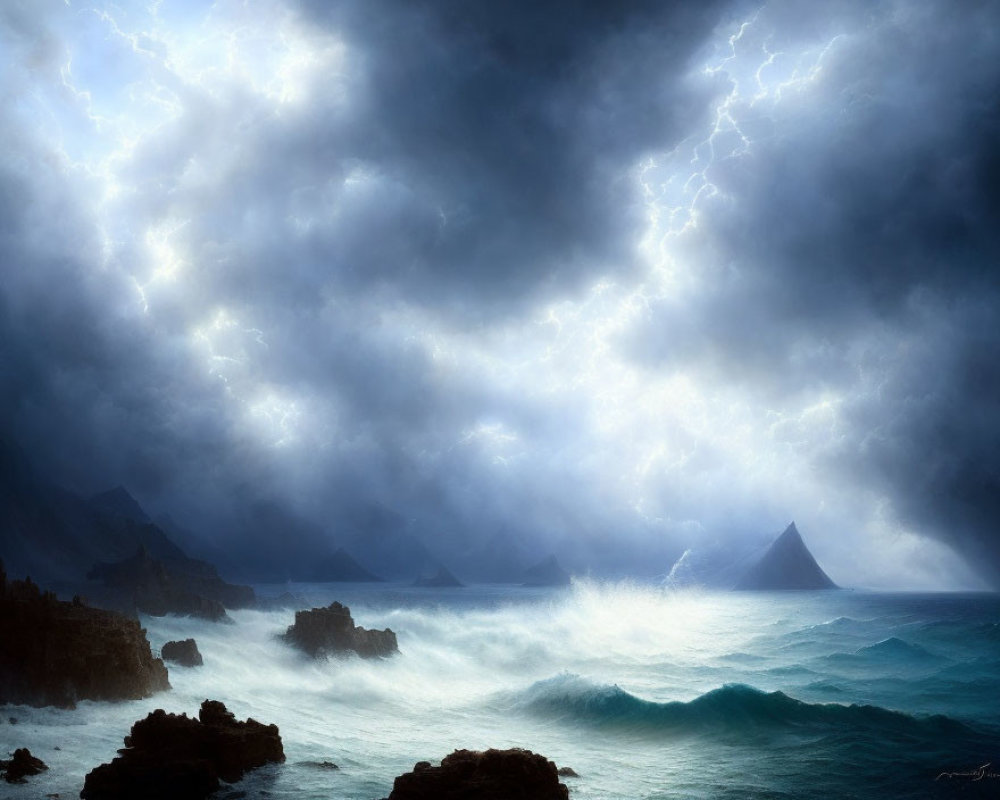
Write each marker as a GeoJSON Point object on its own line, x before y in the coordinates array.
{"type": "Point", "coordinates": [733, 707]}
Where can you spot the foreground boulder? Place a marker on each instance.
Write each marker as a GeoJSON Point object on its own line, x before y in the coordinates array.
{"type": "Point", "coordinates": [331, 631]}
{"type": "Point", "coordinates": [184, 652]}
{"type": "Point", "coordinates": [22, 764]}
{"type": "Point", "coordinates": [55, 653]}
{"type": "Point", "coordinates": [493, 775]}
{"type": "Point", "coordinates": [174, 757]}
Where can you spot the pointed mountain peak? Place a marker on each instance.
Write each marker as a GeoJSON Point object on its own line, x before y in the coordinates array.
{"type": "Point", "coordinates": [787, 564]}
{"type": "Point", "coordinates": [119, 502]}
{"type": "Point", "coordinates": [791, 540]}
{"type": "Point", "coordinates": [341, 566]}
{"type": "Point", "coordinates": [442, 578]}
{"type": "Point", "coordinates": [546, 572]}
{"type": "Point", "coordinates": [791, 532]}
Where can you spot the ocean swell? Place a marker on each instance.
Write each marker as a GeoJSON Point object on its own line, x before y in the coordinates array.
{"type": "Point", "coordinates": [734, 708]}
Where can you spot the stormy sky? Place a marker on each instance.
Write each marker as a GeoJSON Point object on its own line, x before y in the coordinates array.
{"type": "Point", "coordinates": [613, 280]}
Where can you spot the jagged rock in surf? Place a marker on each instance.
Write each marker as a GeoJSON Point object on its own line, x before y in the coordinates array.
{"type": "Point", "coordinates": [546, 572]}
{"type": "Point", "coordinates": [174, 757]}
{"type": "Point", "coordinates": [56, 653]}
{"type": "Point", "coordinates": [489, 775]}
{"type": "Point", "coordinates": [184, 652]}
{"type": "Point", "coordinates": [787, 564]}
{"type": "Point", "coordinates": [331, 631]}
{"type": "Point", "coordinates": [21, 765]}
{"type": "Point", "coordinates": [440, 579]}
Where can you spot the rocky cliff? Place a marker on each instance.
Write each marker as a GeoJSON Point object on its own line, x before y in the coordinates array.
{"type": "Point", "coordinates": [56, 653]}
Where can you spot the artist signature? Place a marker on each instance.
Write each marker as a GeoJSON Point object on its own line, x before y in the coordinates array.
{"type": "Point", "coordinates": [979, 774]}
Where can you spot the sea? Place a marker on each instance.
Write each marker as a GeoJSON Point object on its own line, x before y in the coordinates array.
{"type": "Point", "coordinates": [645, 692]}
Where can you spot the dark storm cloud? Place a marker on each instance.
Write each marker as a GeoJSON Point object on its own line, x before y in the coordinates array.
{"type": "Point", "coordinates": [466, 160]}
{"type": "Point", "coordinates": [342, 312]}
{"type": "Point", "coordinates": [511, 127]}
{"type": "Point", "coordinates": [855, 249]}
{"type": "Point", "coordinates": [929, 434]}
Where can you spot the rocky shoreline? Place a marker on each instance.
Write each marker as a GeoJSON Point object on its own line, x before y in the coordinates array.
{"type": "Point", "coordinates": [57, 653]}
{"type": "Point", "coordinates": [62, 652]}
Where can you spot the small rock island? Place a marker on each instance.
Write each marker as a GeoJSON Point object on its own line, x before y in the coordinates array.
{"type": "Point", "coordinates": [184, 652]}
{"type": "Point", "coordinates": [21, 765]}
{"type": "Point", "coordinates": [442, 579]}
{"type": "Point", "coordinates": [331, 631]}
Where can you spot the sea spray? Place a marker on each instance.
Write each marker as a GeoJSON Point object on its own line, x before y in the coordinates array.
{"type": "Point", "coordinates": [646, 693]}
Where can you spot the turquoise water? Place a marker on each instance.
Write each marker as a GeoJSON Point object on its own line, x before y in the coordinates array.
{"type": "Point", "coordinates": [646, 693]}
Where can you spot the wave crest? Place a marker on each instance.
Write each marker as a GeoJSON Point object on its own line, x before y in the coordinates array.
{"type": "Point", "coordinates": [733, 707]}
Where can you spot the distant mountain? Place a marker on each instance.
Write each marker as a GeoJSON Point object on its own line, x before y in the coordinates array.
{"type": "Point", "coordinates": [118, 502]}
{"type": "Point", "coordinates": [57, 537]}
{"type": "Point", "coordinates": [714, 565]}
{"type": "Point", "coordinates": [787, 564]}
{"type": "Point", "coordinates": [546, 572]}
{"type": "Point", "coordinates": [440, 579]}
{"type": "Point", "coordinates": [499, 559]}
{"type": "Point", "coordinates": [341, 566]}
{"type": "Point", "coordinates": [387, 547]}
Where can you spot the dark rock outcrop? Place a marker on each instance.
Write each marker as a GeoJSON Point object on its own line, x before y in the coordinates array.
{"type": "Point", "coordinates": [184, 652]}
{"type": "Point", "coordinates": [55, 653]}
{"type": "Point", "coordinates": [787, 564]}
{"type": "Point", "coordinates": [158, 587]}
{"type": "Point", "coordinates": [331, 631]}
{"type": "Point", "coordinates": [324, 765]}
{"type": "Point", "coordinates": [174, 757]}
{"type": "Point", "coordinates": [21, 765]}
{"type": "Point", "coordinates": [546, 573]}
{"type": "Point", "coordinates": [438, 580]}
{"type": "Point", "coordinates": [490, 775]}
